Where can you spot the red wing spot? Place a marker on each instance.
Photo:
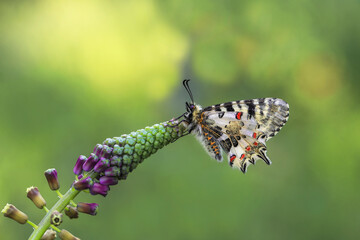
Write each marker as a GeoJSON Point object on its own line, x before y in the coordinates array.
{"type": "Point", "coordinates": [242, 156]}
{"type": "Point", "coordinates": [254, 135]}
{"type": "Point", "coordinates": [238, 115]}
{"type": "Point", "coordinates": [248, 148]}
{"type": "Point", "coordinates": [255, 143]}
{"type": "Point", "coordinates": [232, 158]}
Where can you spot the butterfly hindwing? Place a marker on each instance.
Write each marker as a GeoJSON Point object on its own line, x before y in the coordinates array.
{"type": "Point", "coordinates": [241, 128]}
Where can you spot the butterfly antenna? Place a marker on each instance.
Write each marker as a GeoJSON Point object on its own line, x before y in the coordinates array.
{"type": "Point", "coordinates": [186, 85]}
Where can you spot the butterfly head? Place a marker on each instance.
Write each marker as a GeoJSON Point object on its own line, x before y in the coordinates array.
{"type": "Point", "coordinates": [190, 108]}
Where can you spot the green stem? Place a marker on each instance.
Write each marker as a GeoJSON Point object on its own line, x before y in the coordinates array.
{"type": "Point", "coordinates": [46, 209]}
{"type": "Point", "coordinates": [32, 224]}
{"type": "Point", "coordinates": [59, 206]}
{"type": "Point", "coordinates": [55, 228]}
{"type": "Point", "coordinates": [59, 193]}
{"type": "Point", "coordinates": [73, 203]}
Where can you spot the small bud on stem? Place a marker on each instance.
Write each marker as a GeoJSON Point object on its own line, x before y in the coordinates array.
{"type": "Point", "coordinates": [71, 212]}
{"type": "Point", "coordinates": [34, 195]}
{"type": "Point", "coordinates": [88, 208]}
{"type": "Point", "coordinates": [49, 235]}
{"type": "Point", "coordinates": [56, 218]}
{"type": "Point", "coordinates": [66, 235]}
{"type": "Point", "coordinates": [51, 177]}
{"type": "Point", "coordinates": [12, 212]}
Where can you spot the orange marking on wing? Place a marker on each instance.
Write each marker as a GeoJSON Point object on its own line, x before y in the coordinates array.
{"type": "Point", "coordinates": [212, 143]}
{"type": "Point", "coordinates": [208, 138]}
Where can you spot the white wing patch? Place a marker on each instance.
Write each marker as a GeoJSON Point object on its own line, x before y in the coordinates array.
{"type": "Point", "coordinates": [244, 128]}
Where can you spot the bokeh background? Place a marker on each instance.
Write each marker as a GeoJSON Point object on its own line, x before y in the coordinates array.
{"type": "Point", "coordinates": [73, 73]}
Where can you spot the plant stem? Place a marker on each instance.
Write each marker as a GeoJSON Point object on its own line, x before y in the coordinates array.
{"type": "Point", "coordinates": [59, 206]}
{"type": "Point", "coordinates": [32, 224]}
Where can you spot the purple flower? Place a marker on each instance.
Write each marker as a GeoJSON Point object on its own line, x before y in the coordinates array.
{"type": "Point", "coordinates": [112, 172]}
{"type": "Point", "coordinates": [102, 165]}
{"type": "Point", "coordinates": [12, 212]}
{"type": "Point", "coordinates": [83, 184]}
{"type": "Point", "coordinates": [88, 208]}
{"type": "Point", "coordinates": [106, 151]}
{"type": "Point", "coordinates": [98, 188]}
{"type": "Point", "coordinates": [105, 180]}
{"type": "Point", "coordinates": [90, 162]}
{"type": "Point", "coordinates": [34, 195]}
{"type": "Point", "coordinates": [78, 165]}
{"type": "Point", "coordinates": [97, 150]}
{"type": "Point", "coordinates": [51, 177]}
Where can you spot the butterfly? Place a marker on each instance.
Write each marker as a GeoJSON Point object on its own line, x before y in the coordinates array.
{"type": "Point", "coordinates": [238, 128]}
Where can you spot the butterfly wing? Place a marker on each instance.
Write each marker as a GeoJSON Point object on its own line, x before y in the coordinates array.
{"type": "Point", "coordinates": [243, 127]}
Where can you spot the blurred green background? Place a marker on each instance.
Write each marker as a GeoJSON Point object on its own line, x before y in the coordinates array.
{"type": "Point", "coordinates": [73, 73]}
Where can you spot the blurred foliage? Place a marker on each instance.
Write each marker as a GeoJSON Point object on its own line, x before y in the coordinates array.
{"type": "Point", "coordinates": [75, 72]}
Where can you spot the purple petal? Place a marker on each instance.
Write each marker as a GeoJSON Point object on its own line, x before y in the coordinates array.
{"type": "Point", "coordinates": [97, 188]}
{"type": "Point", "coordinates": [90, 162]}
{"type": "Point", "coordinates": [106, 151]}
{"type": "Point", "coordinates": [112, 172]}
{"type": "Point", "coordinates": [51, 177]}
{"type": "Point", "coordinates": [102, 165]}
{"type": "Point", "coordinates": [83, 184]}
{"type": "Point", "coordinates": [97, 150]}
{"type": "Point", "coordinates": [78, 165]}
{"type": "Point", "coordinates": [105, 180]}
{"type": "Point", "coordinates": [88, 208]}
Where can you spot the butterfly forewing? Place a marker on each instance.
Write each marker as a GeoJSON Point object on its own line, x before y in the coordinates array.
{"type": "Point", "coordinates": [241, 128]}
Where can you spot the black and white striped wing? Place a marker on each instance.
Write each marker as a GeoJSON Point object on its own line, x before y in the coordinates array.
{"type": "Point", "coordinates": [245, 127]}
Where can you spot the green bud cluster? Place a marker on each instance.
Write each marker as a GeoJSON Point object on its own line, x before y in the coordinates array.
{"type": "Point", "coordinates": [129, 150]}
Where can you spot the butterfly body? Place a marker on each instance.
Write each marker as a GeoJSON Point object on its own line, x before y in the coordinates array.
{"type": "Point", "coordinates": [240, 129]}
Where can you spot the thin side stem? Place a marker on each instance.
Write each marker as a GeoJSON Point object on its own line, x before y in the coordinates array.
{"type": "Point", "coordinates": [59, 206]}
{"type": "Point", "coordinates": [55, 228]}
{"type": "Point", "coordinates": [32, 224]}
